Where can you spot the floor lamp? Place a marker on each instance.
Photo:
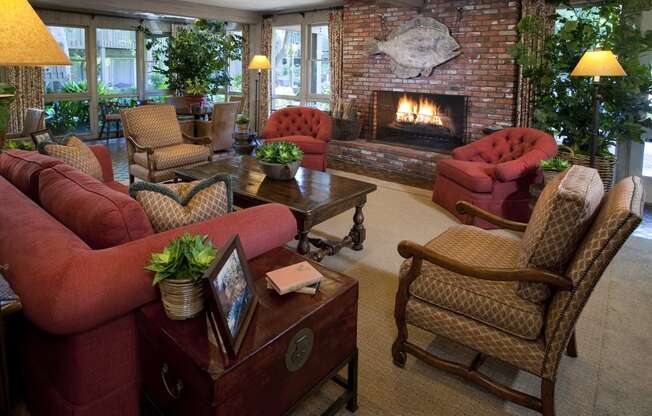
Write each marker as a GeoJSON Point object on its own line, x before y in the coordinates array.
{"type": "Point", "coordinates": [259, 63]}
{"type": "Point", "coordinates": [24, 41]}
{"type": "Point", "coordinates": [597, 64]}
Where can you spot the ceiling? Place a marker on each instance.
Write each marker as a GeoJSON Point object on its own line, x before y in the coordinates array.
{"type": "Point", "coordinates": [269, 5]}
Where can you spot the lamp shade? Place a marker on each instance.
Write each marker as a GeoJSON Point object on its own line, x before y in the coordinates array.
{"type": "Point", "coordinates": [260, 62]}
{"type": "Point", "coordinates": [24, 39]}
{"type": "Point", "coordinates": [598, 64]}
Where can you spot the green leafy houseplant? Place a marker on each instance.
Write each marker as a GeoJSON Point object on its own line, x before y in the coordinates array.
{"type": "Point", "coordinates": [195, 60]}
{"type": "Point", "coordinates": [18, 144]}
{"type": "Point", "coordinates": [279, 153]}
{"type": "Point", "coordinates": [242, 119]}
{"type": "Point", "coordinates": [562, 104]}
{"type": "Point", "coordinates": [184, 258]}
{"type": "Point", "coordinates": [555, 164]}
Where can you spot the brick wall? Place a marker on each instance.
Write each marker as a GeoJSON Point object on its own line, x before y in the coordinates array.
{"type": "Point", "coordinates": [484, 71]}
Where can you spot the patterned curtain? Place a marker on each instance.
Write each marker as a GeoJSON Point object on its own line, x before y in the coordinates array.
{"type": "Point", "coordinates": [30, 93]}
{"type": "Point", "coordinates": [525, 96]}
{"type": "Point", "coordinates": [335, 27]}
{"type": "Point", "coordinates": [246, 57]}
{"type": "Point", "coordinates": [265, 96]}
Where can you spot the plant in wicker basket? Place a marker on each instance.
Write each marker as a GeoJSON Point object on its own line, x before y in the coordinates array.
{"type": "Point", "coordinates": [279, 160]}
{"type": "Point", "coordinates": [178, 271]}
{"type": "Point", "coordinates": [553, 167]}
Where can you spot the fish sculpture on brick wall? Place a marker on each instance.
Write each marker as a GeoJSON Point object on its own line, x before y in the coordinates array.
{"type": "Point", "coordinates": [417, 47]}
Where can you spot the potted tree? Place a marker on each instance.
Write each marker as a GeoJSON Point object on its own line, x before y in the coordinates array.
{"type": "Point", "coordinates": [196, 59]}
{"type": "Point", "coordinates": [562, 104]}
{"type": "Point", "coordinates": [279, 160]}
{"type": "Point", "coordinates": [179, 269]}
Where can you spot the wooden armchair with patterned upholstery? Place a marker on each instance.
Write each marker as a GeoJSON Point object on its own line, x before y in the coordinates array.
{"type": "Point", "coordinates": [156, 145]}
{"type": "Point", "coordinates": [516, 300]}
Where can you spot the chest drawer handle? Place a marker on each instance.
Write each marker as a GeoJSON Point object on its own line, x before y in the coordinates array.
{"type": "Point", "coordinates": [177, 388]}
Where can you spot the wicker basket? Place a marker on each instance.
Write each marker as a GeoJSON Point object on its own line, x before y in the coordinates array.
{"type": "Point", "coordinates": [182, 299]}
{"type": "Point", "coordinates": [606, 166]}
{"type": "Point", "coordinates": [346, 129]}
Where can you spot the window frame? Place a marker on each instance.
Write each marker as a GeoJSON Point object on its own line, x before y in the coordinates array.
{"type": "Point", "coordinates": [305, 96]}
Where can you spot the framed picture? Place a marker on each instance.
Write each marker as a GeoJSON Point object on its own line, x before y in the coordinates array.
{"type": "Point", "coordinates": [42, 136]}
{"type": "Point", "coordinates": [233, 300]}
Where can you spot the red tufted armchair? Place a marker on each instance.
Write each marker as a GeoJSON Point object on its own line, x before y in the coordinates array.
{"type": "Point", "coordinates": [494, 173]}
{"type": "Point", "coordinates": [308, 128]}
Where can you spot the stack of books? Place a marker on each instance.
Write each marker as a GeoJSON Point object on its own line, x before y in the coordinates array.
{"type": "Point", "coordinates": [297, 278]}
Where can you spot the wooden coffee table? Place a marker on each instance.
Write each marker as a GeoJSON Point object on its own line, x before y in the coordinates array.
{"type": "Point", "coordinates": [294, 344]}
{"type": "Point", "coordinates": [313, 197]}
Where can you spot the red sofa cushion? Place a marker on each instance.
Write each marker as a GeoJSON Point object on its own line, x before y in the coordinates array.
{"type": "Point", "coordinates": [299, 121]}
{"type": "Point", "coordinates": [22, 169]}
{"type": "Point", "coordinates": [99, 215]}
{"type": "Point", "coordinates": [308, 144]}
{"type": "Point", "coordinates": [475, 176]}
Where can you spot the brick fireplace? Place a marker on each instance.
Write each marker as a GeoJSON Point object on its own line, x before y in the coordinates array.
{"type": "Point", "coordinates": [484, 74]}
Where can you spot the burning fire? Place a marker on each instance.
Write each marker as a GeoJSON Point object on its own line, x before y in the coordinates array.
{"type": "Point", "coordinates": [422, 112]}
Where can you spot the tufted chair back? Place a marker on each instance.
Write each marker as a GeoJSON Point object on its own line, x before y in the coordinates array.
{"type": "Point", "coordinates": [299, 121]}
{"type": "Point", "coordinates": [507, 144]}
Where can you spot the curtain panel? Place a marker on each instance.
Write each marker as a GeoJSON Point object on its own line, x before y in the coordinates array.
{"type": "Point", "coordinates": [525, 99]}
{"type": "Point", "coordinates": [335, 42]}
{"type": "Point", "coordinates": [246, 57]}
{"type": "Point", "coordinates": [265, 84]}
{"type": "Point", "coordinates": [30, 93]}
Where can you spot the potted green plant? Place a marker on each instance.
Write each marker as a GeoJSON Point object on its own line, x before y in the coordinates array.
{"type": "Point", "coordinates": [6, 98]}
{"type": "Point", "coordinates": [178, 273]}
{"type": "Point", "coordinates": [279, 160]}
{"type": "Point", "coordinates": [561, 103]}
{"type": "Point", "coordinates": [243, 123]}
{"type": "Point", "coordinates": [553, 167]}
{"type": "Point", "coordinates": [15, 144]}
{"type": "Point", "coordinates": [195, 61]}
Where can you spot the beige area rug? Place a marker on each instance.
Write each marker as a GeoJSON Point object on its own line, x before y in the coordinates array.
{"type": "Point", "coordinates": [611, 376]}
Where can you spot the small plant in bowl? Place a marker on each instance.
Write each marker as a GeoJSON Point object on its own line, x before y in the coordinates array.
{"type": "Point", "coordinates": [14, 144]}
{"type": "Point", "coordinates": [178, 271]}
{"type": "Point", "coordinates": [279, 160]}
{"type": "Point", "coordinates": [553, 167]}
{"type": "Point", "coordinates": [243, 123]}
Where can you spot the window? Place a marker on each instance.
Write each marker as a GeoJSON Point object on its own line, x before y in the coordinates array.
{"type": "Point", "coordinates": [62, 79]}
{"type": "Point", "coordinates": [153, 80]}
{"type": "Point", "coordinates": [116, 61]}
{"type": "Point", "coordinates": [66, 87]}
{"type": "Point", "coordinates": [300, 66]}
{"type": "Point", "coordinates": [235, 72]}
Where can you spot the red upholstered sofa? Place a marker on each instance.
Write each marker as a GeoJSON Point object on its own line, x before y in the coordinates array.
{"type": "Point", "coordinates": [308, 128]}
{"type": "Point", "coordinates": [494, 173]}
{"type": "Point", "coordinates": [78, 344]}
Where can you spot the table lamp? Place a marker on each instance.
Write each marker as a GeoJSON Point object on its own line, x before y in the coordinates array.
{"type": "Point", "coordinates": [259, 63]}
{"type": "Point", "coordinates": [24, 41]}
{"type": "Point", "coordinates": [597, 64]}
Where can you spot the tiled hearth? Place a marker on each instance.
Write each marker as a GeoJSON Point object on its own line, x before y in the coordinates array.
{"type": "Point", "coordinates": [377, 156]}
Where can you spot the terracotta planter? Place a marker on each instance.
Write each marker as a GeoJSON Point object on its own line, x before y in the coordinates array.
{"type": "Point", "coordinates": [195, 101]}
{"type": "Point", "coordinates": [182, 299]}
{"type": "Point", "coordinates": [280, 172]}
{"type": "Point", "coordinates": [243, 128]}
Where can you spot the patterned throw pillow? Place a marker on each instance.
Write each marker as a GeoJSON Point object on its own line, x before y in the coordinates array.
{"type": "Point", "coordinates": [72, 151]}
{"type": "Point", "coordinates": [171, 206]}
{"type": "Point", "coordinates": [560, 218]}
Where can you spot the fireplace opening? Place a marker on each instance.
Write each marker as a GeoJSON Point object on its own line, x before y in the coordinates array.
{"type": "Point", "coordinates": [428, 121]}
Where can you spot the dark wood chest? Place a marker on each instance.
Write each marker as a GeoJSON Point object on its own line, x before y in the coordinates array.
{"type": "Point", "coordinates": [184, 372]}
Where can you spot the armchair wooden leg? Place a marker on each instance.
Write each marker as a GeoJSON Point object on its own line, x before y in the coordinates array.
{"type": "Point", "coordinates": [548, 397]}
{"type": "Point", "coordinates": [571, 348]}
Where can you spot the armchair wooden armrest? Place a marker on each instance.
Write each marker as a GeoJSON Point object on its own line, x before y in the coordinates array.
{"type": "Point", "coordinates": [204, 140]}
{"type": "Point", "coordinates": [471, 211]}
{"type": "Point", "coordinates": [138, 147]}
{"type": "Point", "coordinates": [409, 249]}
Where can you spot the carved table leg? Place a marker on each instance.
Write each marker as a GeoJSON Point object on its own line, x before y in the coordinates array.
{"type": "Point", "coordinates": [358, 232]}
{"type": "Point", "coordinates": [304, 243]}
